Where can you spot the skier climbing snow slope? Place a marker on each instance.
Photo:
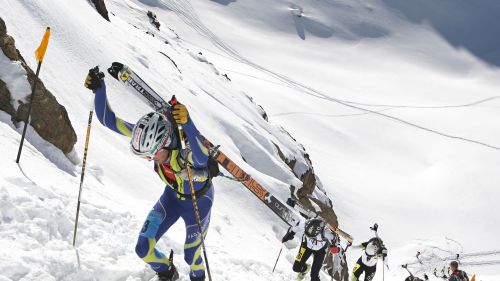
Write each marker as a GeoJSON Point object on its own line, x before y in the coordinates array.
{"type": "Point", "coordinates": [358, 158]}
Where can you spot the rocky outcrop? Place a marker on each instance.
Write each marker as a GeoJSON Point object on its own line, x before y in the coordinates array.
{"type": "Point", "coordinates": [153, 20]}
{"type": "Point", "coordinates": [100, 6]}
{"type": "Point", "coordinates": [49, 119]}
{"type": "Point", "coordinates": [5, 104]}
{"type": "Point", "coordinates": [303, 193]}
{"type": "Point", "coordinates": [7, 43]}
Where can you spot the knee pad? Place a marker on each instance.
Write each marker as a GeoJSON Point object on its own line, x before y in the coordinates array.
{"type": "Point", "coordinates": [152, 224]}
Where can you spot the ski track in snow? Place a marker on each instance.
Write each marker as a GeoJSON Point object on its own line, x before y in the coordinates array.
{"type": "Point", "coordinates": [187, 13]}
{"type": "Point", "coordinates": [244, 62]}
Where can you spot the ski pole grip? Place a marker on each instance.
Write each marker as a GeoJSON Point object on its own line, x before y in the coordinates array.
{"type": "Point", "coordinates": [173, 101]}
{"type": "Point", "coordinates": [183, 141]}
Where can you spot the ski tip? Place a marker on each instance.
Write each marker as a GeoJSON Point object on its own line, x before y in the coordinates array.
{"type": "Point", "coordinates": [115, 69]}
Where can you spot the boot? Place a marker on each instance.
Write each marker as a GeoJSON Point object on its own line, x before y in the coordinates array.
{"type": "Point", "coordinates": [302, 275]}
{"type": "Point", "coordinates": [170, 275]}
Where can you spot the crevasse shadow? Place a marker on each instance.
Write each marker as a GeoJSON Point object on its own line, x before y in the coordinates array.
{"type": "Point", "coordinates": [315, 28]}
{"type": "Point", "coordinates": [152, 3]}
{"type": "Point", "coordinates": [224, 2]}
{"type": "Point", "coordinates": [367, 30]}
{"type": "Point", "coordinates": [473, 25]}
{"type": "Point", "coordinates": [299, 26]}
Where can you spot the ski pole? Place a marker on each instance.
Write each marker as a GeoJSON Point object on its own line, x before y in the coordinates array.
{"type": "Point", "coordinates": [383, 270]}
{"type": "Point", "coordinates": [278, 258]}
{"type": "Point", "coordinates": [418, 257]}
{"type": "Point", "coordinates": [405, 266]}
{"type": "Point", "coordinates": [347, 247]}
{"type": "Point", "coordinates": [197, 214]}
{"type": "Point", "coordinates": [375, 228]}
{"type": "Point", "coordinates": [39, 54]}
{"type": "Point", "coordinates": [193, 198]}
{"type": "Point", "coordinates": [84, 164]}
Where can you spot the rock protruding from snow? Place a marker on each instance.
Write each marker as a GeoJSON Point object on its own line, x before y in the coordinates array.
{"type": "Point", "coordinates": [100, 6]}
{"type": "Point", "coordinates": [5, 99]}
{"type": "Point", "coordinates": [154, 21]}
{"type": "Point", "coordinates": [48, 117]}
{"type": "Point", "coordinates": [306, 194]}
{"type": "Point", "coordinates": [7, 43]}
{"type": "Point", "coordinates": [296, 10]}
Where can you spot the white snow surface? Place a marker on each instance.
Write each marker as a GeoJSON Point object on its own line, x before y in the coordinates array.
{"type": "Point", "coordinates": [399, 120]}
{"type": "Point", "coordinates": [12, 73]}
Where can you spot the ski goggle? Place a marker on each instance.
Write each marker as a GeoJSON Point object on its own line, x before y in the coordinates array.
{"type": "Point", "coordinates": [153, 157]}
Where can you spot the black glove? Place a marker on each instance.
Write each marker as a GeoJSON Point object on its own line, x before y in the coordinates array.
{"type": "Point", "coordinates": [94, 79]}
{"type": "Point", "coordinates": [288, 236]}
{"type": "Point", "coordinates": [115, 68]}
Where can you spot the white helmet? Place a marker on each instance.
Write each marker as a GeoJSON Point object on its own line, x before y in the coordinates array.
{"type": "Point", "coordinates": [151, 133]}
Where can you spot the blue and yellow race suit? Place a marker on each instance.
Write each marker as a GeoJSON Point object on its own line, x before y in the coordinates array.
{"type": "Point", "coordinates": [175, 202]}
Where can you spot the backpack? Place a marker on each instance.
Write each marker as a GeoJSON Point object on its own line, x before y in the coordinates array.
{"type": "Point", "coordinates": [213, 166]}
{"type": "Point", "coordinates": [459, 276]}
{"type": "Point", "coordinates": [377, 243]}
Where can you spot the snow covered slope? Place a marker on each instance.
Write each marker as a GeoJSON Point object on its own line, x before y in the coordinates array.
{"type": "Point", "coordinates": [336, 78]}
{"type": "Point", "coordinates": [423, 181]}
{"type": "Point", "coordinates": [119, 188]}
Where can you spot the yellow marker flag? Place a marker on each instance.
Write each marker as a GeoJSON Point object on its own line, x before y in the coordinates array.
{"type": "Point", "coordinates": [40, 52]}
{"type": "Point", "coordinates": [473, 278]}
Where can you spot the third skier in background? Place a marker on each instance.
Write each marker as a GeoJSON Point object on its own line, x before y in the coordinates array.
{"type": "Point", "coordinates": [317, 239]}
{"type": "Point", "coordinates": [367, 263]}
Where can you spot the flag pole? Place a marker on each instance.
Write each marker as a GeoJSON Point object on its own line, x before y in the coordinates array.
{"type": "Point", "coordinates": [39, 54]}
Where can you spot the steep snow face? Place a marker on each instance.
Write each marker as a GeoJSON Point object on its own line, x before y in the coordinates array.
{"type": "Point", "coordinates": [317, 68]}
{"type": "Point", "coordinates": [459, 23]}
{"type": "Point", "coordinates": [398, 122]}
